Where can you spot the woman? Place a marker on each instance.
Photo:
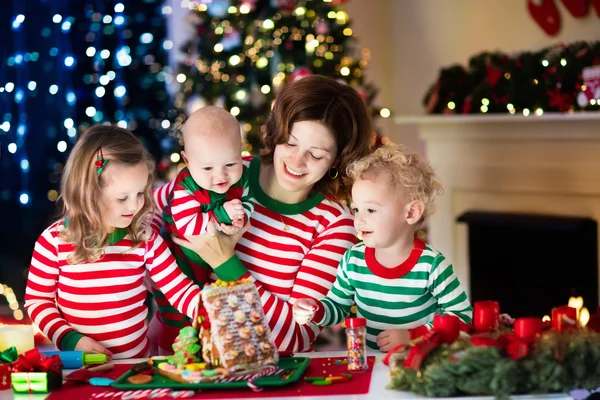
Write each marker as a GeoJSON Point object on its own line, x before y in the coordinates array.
{"type": "Point", "coordinates": [300, 229]}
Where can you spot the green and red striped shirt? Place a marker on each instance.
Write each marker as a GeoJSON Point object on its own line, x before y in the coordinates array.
{"type": "Point", "coordinates": [404, 297]}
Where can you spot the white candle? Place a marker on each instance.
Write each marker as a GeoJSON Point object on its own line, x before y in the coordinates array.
{"type": "Point", "coordinates": [20, 336]}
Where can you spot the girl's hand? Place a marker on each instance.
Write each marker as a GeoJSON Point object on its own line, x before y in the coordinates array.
{"type": "Point", "coordinates": [304, 310]}
{"type": "Point", "coordinates": [214, 247]}
{"type": "Point", "coordinates": [89, 345]}
{"type": "Point", "coordinates": [389, 339]}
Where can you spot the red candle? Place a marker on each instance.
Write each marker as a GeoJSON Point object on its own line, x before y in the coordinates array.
{"type": "Point", "coordinates": [486, 316]}
{"type": "Point", "coordinates": [447, 326]}
{"type": "Point", "coordinates": [564, 318]}
{"type": "Point", "coordinates": [527, 328]}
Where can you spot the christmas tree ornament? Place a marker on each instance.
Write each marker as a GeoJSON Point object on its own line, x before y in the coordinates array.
{"type": "Point", "coordinates": [218, 8]}
{"type": "Point", "coordinates": [257, 98]}
{"type": "Point", "coordinates": [194, 103]}
{"type": "Point", "coordinates": [577, 8]}
{"type": "Point", "coordinates": [299, 73]}
{"type": "Point", "coordinates": [231, 40]}
{"type": "Point", "coordinates": [250, 5]}
{"type": "Point", "coordinates": [322, 27]}
{"type": "Point", "coordinates": [284, 5]}
{"type": "Point", "coordinates": [545, 13]}
{"type": "Point", "coordinates": [364, 94]}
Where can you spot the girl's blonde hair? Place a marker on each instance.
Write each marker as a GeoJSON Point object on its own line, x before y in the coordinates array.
{"type": "Point", "coordinates": [81, 190]}
{"type": "Point", "coordinates": [411, 177]}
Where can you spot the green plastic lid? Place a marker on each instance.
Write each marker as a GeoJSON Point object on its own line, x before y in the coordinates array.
{"type": "Point", "coordinates": [89, 359]}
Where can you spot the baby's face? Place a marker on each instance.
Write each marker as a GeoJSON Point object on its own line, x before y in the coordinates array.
{"type": "Point", "coordinates": [214, 160]}
{"type": "Point", "coordinates": [379, 216]}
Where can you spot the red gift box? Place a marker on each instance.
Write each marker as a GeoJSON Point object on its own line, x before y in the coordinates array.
{"type": "Point", "coordinates": [5, 370]}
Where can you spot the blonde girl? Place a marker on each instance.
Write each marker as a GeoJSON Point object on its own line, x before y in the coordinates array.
{"type": "Point", "coordinates": [85, 288]}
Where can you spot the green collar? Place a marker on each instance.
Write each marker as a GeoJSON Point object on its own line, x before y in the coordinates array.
{"type": "Point", "coordinates": [117, 235]}
{"type": "Point", "coordinates": [272, 204]}
{"type": "Point", "coordinates": [113, 238]}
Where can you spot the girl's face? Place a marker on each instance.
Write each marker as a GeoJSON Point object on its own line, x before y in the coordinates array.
{"type": "Point", "coordinates": [306, 157]}
{"type": "Point", "coordinates": [123, 194]}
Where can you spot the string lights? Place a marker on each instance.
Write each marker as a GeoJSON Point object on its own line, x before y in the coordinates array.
{"type": "Point", "coordinates": [63, 69]}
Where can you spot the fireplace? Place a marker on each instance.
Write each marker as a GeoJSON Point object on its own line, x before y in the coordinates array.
{"type": "Point", "coordinates": [531, 262]}
{"type": "Point", "coordinates": [509, 164]}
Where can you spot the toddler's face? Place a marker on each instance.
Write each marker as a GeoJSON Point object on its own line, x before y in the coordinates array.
{"type": "Point", "coordinates": [379, 215]}
{"type": "Point", "coordinates": [214, 161]}
{"type": "Point", "coordinates": [123, 194]}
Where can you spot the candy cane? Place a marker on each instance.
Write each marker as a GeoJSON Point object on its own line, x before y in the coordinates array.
{"type": "Point", "coordinates": [251, 377]}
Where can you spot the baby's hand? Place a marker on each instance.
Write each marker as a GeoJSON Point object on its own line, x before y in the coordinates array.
{"type": "Point", "coordinates": [387, 340]}
{"type": "Point", "coordinates": [304, 310]}
{"type": "Point", "coordinates": [89, 345]}
{"type": "Point", "coordinates": [232, 229]}
{"type": "Point", "coordinates": [234, 209]}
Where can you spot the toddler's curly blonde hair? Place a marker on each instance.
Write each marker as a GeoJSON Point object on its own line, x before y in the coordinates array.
{"type": "Point", "coordinates": [410, 175]}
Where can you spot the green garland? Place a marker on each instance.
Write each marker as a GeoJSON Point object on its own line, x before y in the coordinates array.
{"type": "Point", "coordinates": [558, 362]}
{"type": "Point", "coordinates": [549, 79]}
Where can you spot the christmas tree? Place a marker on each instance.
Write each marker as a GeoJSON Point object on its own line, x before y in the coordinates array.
{"type": "Point", "coordinates": [242, 51]}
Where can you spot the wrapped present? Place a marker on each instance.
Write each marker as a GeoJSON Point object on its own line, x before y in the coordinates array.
{"type": "Point", "coordinates": [36, 382]}
{"type": "Point", "coordinates": [7, 357]}
{"type": "Point", "coordinates": [34, 372]}
{"type": "Point", "coordinates": [5, 376]}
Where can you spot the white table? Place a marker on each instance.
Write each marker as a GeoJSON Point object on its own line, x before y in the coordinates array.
{"type": "Point", "coordinates": [379, 381]}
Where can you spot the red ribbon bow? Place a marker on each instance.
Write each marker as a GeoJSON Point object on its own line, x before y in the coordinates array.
{"type": "Point", "coordinates": [517, 345]}
{"type": "Point", "coordinates": [34, 361]}
{"type": "Point", "coordinates": [446, 329]}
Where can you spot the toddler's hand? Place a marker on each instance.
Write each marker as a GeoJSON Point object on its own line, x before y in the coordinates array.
{"type": "Point", "coordinates": [89, 345]}
{"type": "Point", "coordinates": [234, 209]}
{"type": "Point", "coordinates": [304, 310]}
{"type": "Point", "coordinates": [387, 340]}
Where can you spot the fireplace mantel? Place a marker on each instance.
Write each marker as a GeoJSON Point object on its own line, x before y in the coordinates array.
{"type": "Point", "coordinates": [547, 164]}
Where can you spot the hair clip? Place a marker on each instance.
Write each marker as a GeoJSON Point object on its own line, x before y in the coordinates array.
{"type": "Point", "coordinates": [100, 162]}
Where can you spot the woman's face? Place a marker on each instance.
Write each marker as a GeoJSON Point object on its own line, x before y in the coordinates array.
{"type": "Point", "coordinates": [306, 157]}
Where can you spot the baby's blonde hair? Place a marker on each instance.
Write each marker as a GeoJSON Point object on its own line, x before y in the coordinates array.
{"type": "Point", "coordinates": [81, 190]}
{"type": "Point", "coordinates": [410, 175]}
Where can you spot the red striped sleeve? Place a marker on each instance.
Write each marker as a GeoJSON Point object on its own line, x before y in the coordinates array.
{"type": "Point", "coordinates": [186, 210]}
{"type": "Point", "coordinates": [161, 195]}
{"type": "Point", "coordinates": [181, 292]}
{"type": "Point", "coordinates": [312, 280]}
{"type": "Point", "coordinates": [40, 293]}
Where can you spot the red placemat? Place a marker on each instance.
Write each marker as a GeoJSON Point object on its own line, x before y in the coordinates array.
{"type": "Point", "coordinates": [318, 367]}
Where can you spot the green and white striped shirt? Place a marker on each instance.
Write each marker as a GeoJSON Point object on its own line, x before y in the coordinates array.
{"type": "Point", "coordinates": [403, 297]}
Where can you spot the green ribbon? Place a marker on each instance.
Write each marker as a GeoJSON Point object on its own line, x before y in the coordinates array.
{"type": "Point", "coordinates": [9, 355]}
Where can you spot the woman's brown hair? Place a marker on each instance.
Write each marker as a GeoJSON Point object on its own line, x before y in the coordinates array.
{"type": "Point", "coordinates": [81, 190]}
{"type": "Point", "coordinates": [335, 105]}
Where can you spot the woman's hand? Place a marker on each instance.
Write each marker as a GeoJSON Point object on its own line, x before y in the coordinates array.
{"type": "Point", "coordinates": [214, 247]}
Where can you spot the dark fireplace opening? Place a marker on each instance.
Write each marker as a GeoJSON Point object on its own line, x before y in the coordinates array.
{"type": "Point", "coordinates": [531, 263]}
